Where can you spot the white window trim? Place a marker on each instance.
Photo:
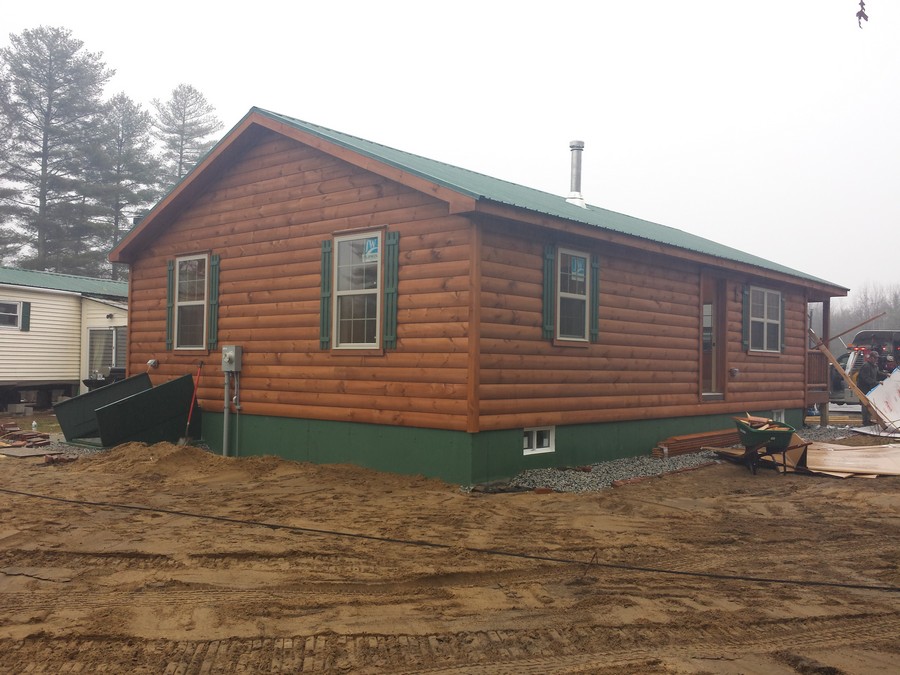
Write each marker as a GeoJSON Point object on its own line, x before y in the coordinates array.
{"type": "Point", "coordinates": [191, 303]}
{"type": "Point", "coordinates": [336, 293]}
{"type": "Point", "coordinates": [18, 314]}
{"type": "Point", "coordinates": [586, 297]}
{"type": "Point", "coordinates": [765, 321]}
{"type": "Point", "coordinates": [533, 450]}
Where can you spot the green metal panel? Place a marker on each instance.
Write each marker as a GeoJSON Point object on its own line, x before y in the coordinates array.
{"type": "Point", "coordinates": [64, 282]}
{"type": "Point", "coordinates": [170, 305]}
{"type": "Point", "coordinates": [325, 299]}
{"type": "Point", "coordinates": [427, 452]}
{"type": "Point", "coordinates": [745, 319]}
{"type": "Point", "coordinates": [212, 328]}
{"type": "Point", "coordinates": [595, 298]}
{"type": "Point", "coordinates": [454, 456]}
{"type": "Point", "coordinates": [25, 324]}
{"type": "Point", "coordinates": [549, 296]}
{"type": "Point", "coordinates": [151, 416]}
{"type": "Point", "coordinates": [77, 417]}
{"type": "Point", "coordinates": [391, 276]}
{"type": "Point", "coordinates": [781, 328]}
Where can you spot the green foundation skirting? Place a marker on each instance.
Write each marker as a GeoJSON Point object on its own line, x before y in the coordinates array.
{"type": "Point", "coordinates": [455, 456]}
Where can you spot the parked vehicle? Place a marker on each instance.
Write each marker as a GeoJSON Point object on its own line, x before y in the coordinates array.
{"type": "Point", "coordinates": [883, 342]}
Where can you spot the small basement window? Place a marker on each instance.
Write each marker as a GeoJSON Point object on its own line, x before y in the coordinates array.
{"type": "Point", "coordinates": [539, 440]}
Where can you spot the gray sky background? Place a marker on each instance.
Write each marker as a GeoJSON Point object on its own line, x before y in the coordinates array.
{"type": "Point", "coordinates": [772, 126]}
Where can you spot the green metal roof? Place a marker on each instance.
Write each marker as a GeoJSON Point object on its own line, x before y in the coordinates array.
{"type": "Point", "coordinates": [482, 187]}
{"type": "Point", "coordinates": [64, 282]}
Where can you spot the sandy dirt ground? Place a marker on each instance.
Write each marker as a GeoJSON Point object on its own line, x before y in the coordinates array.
{"type": "Point", "coordinates": [173, 560]}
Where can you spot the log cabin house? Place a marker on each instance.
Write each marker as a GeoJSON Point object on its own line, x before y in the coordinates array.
{"type": "Point", "coordinates": [385, 309]}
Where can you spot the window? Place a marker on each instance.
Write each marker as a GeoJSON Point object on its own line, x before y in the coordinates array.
{"type": "Point", "coordinates": [357, 296]}
{"type": "Point", "coordinates": [539, 440]}
{"type": "Point", "coordinates": [190, 302]}
{"type": "Point", "coordinates": [16, 315]}
{"type": "Point", "coordinates": [572, 295]}
{"type": "Point", "coordinates": [106, 349]}
{"type": "Point", "coordinates": [9, 314]}
{"type": "Point", "coordinates": [765, 320]}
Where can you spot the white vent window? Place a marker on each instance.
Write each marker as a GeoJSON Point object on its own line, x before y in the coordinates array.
{"type": "Point", "coordinates": [539, 440]}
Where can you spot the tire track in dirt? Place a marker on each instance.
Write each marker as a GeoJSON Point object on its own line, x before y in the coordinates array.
{"type": "Point", "coordinates": [532, 651]}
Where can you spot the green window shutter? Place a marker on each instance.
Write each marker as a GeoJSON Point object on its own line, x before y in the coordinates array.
{"type": "Point", "coordinates": [212, 341]}
{"type": "Point", "coordinates": [781, 300]}
{"type": "Point", "coordinates": [25, 323]}
{"type": "Point", "coordinates": [325, 298]}
{"type": "Point", "coordinates": [391, 274]}
{"type": "Point", "coordinates": [745, 319]}
{"type": "Point", "coordinates": [549, 298]}
{"type": "Point", "coordinates": [170, 305]}
{"type": "Point", "coordinates": [595, 298]}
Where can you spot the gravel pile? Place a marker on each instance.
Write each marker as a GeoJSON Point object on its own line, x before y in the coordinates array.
{"type": "Point", "coordinates": [602, 475]}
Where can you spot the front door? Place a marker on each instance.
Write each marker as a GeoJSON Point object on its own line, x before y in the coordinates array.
{"type": "Point", "coordinates": [712, 380]}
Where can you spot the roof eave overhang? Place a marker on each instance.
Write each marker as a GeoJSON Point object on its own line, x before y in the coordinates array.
{"type": "Point", "coordinates": [240, 137]}
{"type": "Point", "coordinates": [816, 291]}
{"type": "Point", "coordinates": [166, 210]}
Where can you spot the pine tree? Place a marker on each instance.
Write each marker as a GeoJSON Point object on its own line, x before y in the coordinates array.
{"type": "Point", "coordinates": [50, 103]}
{"type": "Point", "coordinates": [129, 174]}
{"type": "Point", "coordinates": [184, 125]}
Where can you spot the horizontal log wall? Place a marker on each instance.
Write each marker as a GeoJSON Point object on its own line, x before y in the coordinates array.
{"type": "Point", "coordinates": [776, 380]}
{"type": "Point", "coordinates": [266, 217]}
{"type": "Point", "coordinates": [646, 362]}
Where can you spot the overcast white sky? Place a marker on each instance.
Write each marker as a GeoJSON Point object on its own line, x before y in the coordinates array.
{"type": "Point", "coordinates": [769, 125]}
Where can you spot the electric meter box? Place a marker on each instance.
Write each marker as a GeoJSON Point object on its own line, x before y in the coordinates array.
{"type": "Point", "coordinates": [231, 359]}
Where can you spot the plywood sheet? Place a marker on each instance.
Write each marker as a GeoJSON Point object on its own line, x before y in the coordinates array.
{"type": "Point", "coordinates": [28, 452]}
{"type": "Point", "coordinates": [881, 460]}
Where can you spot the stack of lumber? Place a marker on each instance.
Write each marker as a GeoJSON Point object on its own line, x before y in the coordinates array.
{"type": "Point", "coordinates": [763, 423]}
{"type": "Point", "coordinates": [682, 445]}
{"type": "Point", "coordinates": [11, 436]}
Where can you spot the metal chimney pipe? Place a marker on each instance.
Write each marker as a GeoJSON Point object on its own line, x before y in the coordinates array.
{"type": "Point", "coordinates": [575, 193]}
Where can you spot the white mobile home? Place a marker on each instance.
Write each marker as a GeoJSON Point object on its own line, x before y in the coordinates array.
{"type": "Point", "coordinates": [56, 332]}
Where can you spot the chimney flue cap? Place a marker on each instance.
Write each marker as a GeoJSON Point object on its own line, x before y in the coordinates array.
{"type": "Point", "coordinates": [575, 194]}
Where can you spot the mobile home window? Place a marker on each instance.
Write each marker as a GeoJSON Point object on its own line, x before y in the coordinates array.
{"type": "Point", "coordinates": [357, 296]}
{"type": "Point", "coordinates": [572, 295]}
{"type": "Point", "coordinates": [106, 349]}
{"type": "Point", "coordinates": [190, 301]}
{"type": "Point", "coordinates": [9, 314]}
{"type": "Point", "coordinates": [765, 320]}
{"type": "Point", "coordinates": [539, 440]}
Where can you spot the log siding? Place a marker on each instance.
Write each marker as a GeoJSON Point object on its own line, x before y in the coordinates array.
{"type": "Point", "coordinates": [472, 351]}
{"type": "Point", "coordinates": [266, 217]}
{"type": "Point", "coordinates": [645, 362]}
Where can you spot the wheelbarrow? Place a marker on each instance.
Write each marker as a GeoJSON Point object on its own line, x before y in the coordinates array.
{"type": "Point", "coordinates": [764, 437]}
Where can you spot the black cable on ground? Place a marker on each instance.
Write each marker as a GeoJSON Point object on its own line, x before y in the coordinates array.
{"type": "Point", "coordinates": [471, 549]}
